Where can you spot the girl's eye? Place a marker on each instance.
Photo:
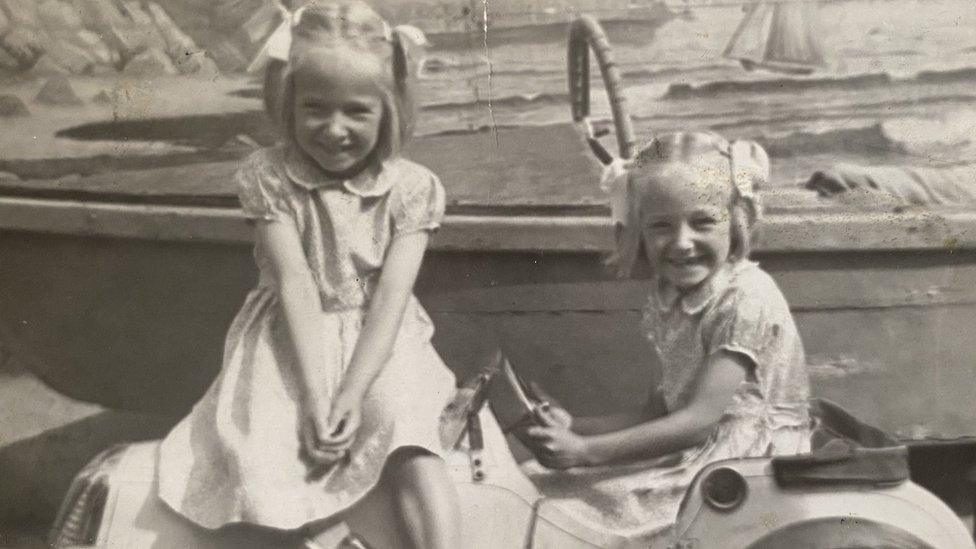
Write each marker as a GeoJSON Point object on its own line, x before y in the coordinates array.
{"type": "Point", "coordinates": [659, 226]}
{"type": "Point", "coordinates": [359, 111]}
{"type": "Point", "coordinates": [317, 111]}
{"type": "Point", "coordinates": [704, 222]}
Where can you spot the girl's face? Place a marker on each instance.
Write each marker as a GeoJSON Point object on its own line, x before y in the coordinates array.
{"type": "Point", "coordinates": [338, 111]}
{"type": "Point", "coordinates": [686, 225]}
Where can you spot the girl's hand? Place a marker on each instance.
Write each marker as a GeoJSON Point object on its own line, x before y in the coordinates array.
{"type": "Point", "coordinates": [558, 447]}
{"type": "Point", "coordinates": [547, 416]}
{"type": "Point", "coordinates": [554, 416]}
{"type": "Point", "coordinates": [312, 434]}
{"type": "Point", "coordinates": [344, 420]}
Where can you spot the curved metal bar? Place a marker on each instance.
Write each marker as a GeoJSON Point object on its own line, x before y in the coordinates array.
{"type": "Point", "coordinates": [585, 34]}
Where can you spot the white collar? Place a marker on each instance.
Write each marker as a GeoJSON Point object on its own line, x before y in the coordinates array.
{"type": "Point", "coordinates": [304, 172]}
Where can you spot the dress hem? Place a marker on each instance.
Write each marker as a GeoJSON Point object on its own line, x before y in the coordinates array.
{"type": "Point", "coordinates": [289, 527]}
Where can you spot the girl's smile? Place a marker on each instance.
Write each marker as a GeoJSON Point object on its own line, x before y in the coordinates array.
{"type": "Point", "coordinates": [338, 112]}
{"type": "Point", "coordinates": [687, 229]}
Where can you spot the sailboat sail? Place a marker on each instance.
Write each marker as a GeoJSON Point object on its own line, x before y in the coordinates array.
{"type": "Point", "coordinates": [778, 36]}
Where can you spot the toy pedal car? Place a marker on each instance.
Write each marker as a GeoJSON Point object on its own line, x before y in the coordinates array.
{"type": "Point", "coordinates": [841, 496]}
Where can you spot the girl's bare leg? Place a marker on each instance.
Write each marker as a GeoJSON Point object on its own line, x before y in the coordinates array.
{"type": "Point", "coordinates": [329, 534]}
{"type": "Point", "coordinates": [427, 500]}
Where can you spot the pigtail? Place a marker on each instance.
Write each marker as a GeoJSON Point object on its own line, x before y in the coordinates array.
{"type": "Point", "coordinates": [749, 172]}
{"type": "Point", "coordinates": [408, 48]}
{"type": "Point", "coordinates": [628, 238]}
{"type": "Point", "coordinates": [401, 69]}
{"type": "Point", "coordinates": [749, 169]}
{"type": "Point", "coordinates": [275, 91]}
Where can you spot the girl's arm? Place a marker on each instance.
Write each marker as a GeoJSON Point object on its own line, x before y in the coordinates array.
{"type": "Point", "coordinates": [559, 418]}
{"type": "Point", "coordinates": [598, 425]}
{"type": "Point", "coordinates": [300, 302]}
{"type": "Point", "coordinates": [375, 344]}
{"type": "Point", "coordinates": [680, 429]}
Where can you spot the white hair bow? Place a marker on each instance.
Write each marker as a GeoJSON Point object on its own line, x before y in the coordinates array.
{"type": "Point", "coordinates": [613, 181]}
{"type": "Point", "coordinates": [278, 42]}
{"type": "Point", "coordinates": [613, 178]}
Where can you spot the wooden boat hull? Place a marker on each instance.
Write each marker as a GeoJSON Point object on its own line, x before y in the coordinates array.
{"type": "Point", "coordinates": [120, 305]}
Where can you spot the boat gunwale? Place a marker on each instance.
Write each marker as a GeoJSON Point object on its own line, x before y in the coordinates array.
{"type": "Point", "coordinates": [802, 230]}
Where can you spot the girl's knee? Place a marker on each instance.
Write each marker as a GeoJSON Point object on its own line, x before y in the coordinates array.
{"type": "Point", "coordinates": [410, 466]}
{"type": "Point", "coordinates": [412, 457]}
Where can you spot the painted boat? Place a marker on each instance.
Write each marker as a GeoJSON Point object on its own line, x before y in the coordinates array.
{"type": "Point", "coordinates": [779, 37]}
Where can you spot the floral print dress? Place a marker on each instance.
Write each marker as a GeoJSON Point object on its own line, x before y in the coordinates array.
{"type": "Point", "coordinates": [236, 456]}
{"type": "Point", "coordinates": [739, 309]}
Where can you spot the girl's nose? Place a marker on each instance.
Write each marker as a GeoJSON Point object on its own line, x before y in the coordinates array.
{"type": "Point", "coordinates": [335, 127]}
{"type": "Point", "coordinates": [683, 238]}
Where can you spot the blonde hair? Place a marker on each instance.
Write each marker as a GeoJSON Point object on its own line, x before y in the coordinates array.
{"type": "Point", "coordinates": [324, 25]}
{"type": "Point", "coordinates": [743, 164]}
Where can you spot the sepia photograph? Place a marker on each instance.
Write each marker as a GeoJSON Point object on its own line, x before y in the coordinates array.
{"type": "Point", "coordinates": [487, 274]}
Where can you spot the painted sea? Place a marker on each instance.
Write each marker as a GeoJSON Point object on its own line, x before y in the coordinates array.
{"type": "Point", "coordinates": [899, 88]}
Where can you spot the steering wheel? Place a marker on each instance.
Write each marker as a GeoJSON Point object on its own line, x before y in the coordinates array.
{"type": "Point", "coordinates": [585, 34]}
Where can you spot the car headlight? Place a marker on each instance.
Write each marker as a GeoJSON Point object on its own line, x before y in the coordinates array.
{"type": "Point", "coordinates": [724, 489]}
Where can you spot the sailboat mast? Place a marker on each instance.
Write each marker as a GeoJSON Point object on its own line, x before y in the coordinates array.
{"type": "Point", "coordinates": [778, 36]}
{"type": "Point", "coordinates": [745, 23]}
{"type": "Point", "coordinates": [774, 39]}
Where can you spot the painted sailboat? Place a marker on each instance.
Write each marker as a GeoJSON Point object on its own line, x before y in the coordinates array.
{"type": "Point", "coordinates": [778, 37]}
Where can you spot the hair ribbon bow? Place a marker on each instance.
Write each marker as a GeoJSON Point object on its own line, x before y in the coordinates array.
{"type": "Point", "coordinates": [613, 175]}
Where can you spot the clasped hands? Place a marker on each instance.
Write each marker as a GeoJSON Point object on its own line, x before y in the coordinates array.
{"type": "Point", "coordinates": [327, 432]}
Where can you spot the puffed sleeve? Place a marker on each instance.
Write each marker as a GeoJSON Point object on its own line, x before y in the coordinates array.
{"type": "Point", "coordinates": [420, 204]}
{"type": "Point", "coordinates": [743, 322]}
{"type": "Point", "coordinates": [260, 189]}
